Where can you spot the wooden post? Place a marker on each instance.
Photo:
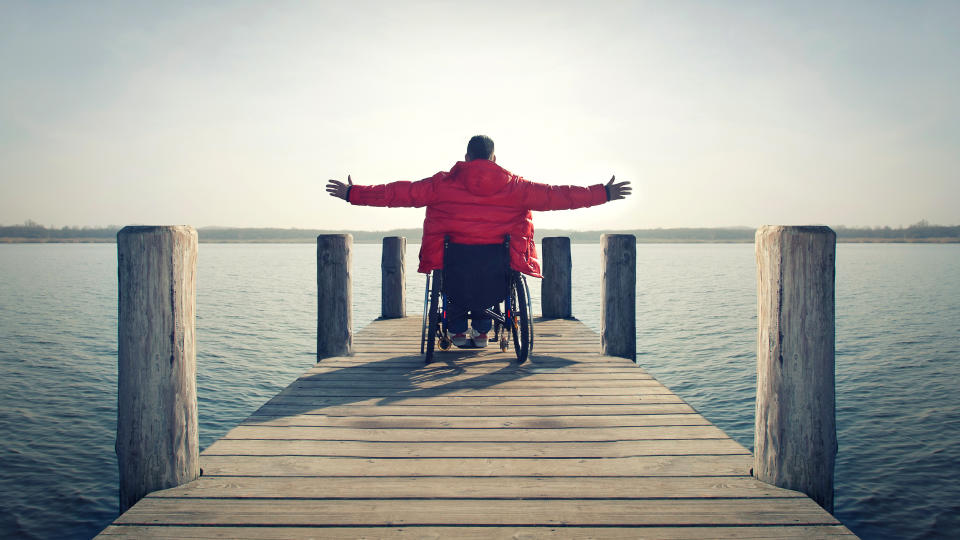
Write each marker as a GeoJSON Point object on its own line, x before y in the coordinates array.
{"type": "Point", "coordinates": [555, 290]}
{"type": "Point", "coordinates": [618, 296]}
{"type": "Point", "coordinates": [158, 443]}
{"type": "Point", "coordinates": [334, 296]}
{"type": "Point", "coordinates": [393, 288]}
{"type": "Point", "coordinates": [795, 443]}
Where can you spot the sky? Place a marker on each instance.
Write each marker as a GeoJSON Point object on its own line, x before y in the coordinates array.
{"type": "Point", "coordinates": [721, 113]}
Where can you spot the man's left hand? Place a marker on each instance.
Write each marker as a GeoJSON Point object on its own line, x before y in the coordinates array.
{"type": "Point", "coordinates": [337, 188]}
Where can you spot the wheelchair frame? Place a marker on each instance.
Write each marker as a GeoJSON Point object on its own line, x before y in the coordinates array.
{"type": "Point", "coordinates": [512, 318]}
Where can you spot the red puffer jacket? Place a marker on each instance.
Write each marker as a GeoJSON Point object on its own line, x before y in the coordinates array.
{"type": "Point", "coordinates": [478, 202]}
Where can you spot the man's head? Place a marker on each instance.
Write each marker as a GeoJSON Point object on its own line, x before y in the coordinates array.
{"type": "Point", "coordinates": [480, 147]}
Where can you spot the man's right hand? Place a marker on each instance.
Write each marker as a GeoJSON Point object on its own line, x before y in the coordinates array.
{"type": "Point", "coordinates": [337, 188]}
{"type": "Point", "coordinates": [616, 191]}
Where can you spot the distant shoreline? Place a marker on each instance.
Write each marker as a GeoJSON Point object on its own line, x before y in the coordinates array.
{"type": "Point", "coordinates": [918, 233]}
{"type": "Point", "coordinates": [840, 240]}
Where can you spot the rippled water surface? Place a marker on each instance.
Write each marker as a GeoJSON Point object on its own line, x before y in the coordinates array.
{"type": "Point", "coordinates": [898, 345]}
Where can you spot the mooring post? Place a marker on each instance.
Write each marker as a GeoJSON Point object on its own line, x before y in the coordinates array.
{"type": "Point", "coordinates": [158, 443]}
{"type": "Point", "coordinates": [393, 288]}
{"type": "Point", "coordinates": [795, 443]}
{"type": "Point", "coordinates": [618, 296]}
{"type": "Point", "coordinates": [334, 296]}
{"type": "Point", "coordinates": [555, 289]}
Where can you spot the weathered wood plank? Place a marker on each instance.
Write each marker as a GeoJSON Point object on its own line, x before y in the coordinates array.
{"type": "Point", "coordinates": [584, 351]}
{"type": "Point", "coordinates": [478, 422]}
{"type": "Point", "coordinates": [478, 487]}
{"type": "Point", "coordinates": [299, 397]}
{"type": "Point", "coordinates": [700, 512]}
{"type": "Point", "coordinates": [384, 363]}
{"type": "Point", "coordinates": [495, 391]}
{"type": "Point", "coordinates": [468, 380]}
{"type": "Point", "coordinates": [487, 410]}
{"type": "Point", "coordinates": [492, 375]}
{"type": "Point", "coordinates": [467, 383]}
{"type": "Point", "coordinates": [724, 465]}
{"type": "Point", "coordinates": [546, 432]}
{"type": "Point", "coordinates": [461, 359]}
{"type": "Point", "coordinates": [481, 533]}
{"type": "Point", "coordinates": [471, 449]}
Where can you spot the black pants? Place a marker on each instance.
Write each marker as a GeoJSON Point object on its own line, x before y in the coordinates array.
{"type": "Point", "coordinates": [457, 320]}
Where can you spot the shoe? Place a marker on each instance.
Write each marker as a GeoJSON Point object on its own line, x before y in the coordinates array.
{"type": "Point", "coordinates": [460, 340]}
{"type": "Point", "coordinates": [479, 340]}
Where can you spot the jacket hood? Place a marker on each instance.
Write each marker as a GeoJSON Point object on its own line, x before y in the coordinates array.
{"type": "Point", "coordinates": [480, 176]}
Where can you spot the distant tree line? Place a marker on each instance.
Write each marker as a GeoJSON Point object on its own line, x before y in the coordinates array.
{"type": "Point", "coordinates": [30, 231]}
{"type": "Point", "coordinates": [33, 231]}
{"type": "Point", "coordinates": [921, 230]}
{"type": "Point", "coordinates": [724, 235]}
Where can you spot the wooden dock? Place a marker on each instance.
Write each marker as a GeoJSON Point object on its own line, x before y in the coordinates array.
{"type": "Point", "coordinates": [572, 445]}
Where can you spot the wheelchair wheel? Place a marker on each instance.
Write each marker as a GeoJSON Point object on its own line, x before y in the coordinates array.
{"type": "Point", "coordinates": [423, 324]}
{"type": "Point", "coordinates": [433, 314]}
{"type": "Point", "coordinates": [520, 318]}
{"type": "Point", "coordinates": [526, 290]}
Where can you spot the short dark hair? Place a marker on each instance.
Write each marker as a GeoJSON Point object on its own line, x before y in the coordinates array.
{"type": "Point", "coordinates": [480, 147]}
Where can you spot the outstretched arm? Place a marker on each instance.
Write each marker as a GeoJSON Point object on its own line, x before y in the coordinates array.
{"type": "Point", "coordinates": [536, 196]}
{"type": "Point", "coordinates": [338, 189]}
{"type": "Point", "coordinates": [620, 190]}
{"type": "Point", "coordinates": [392, 194]}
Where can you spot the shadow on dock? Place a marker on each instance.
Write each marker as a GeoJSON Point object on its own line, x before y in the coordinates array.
{"type": "Point", "coordinates": [340, 381]}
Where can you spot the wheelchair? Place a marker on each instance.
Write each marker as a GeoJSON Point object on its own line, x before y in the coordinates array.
{"type": "Point", "coordinates": [478, 278]}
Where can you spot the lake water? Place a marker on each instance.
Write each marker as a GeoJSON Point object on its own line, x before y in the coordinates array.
{"type": "Point", "coordinates": [898, 344]}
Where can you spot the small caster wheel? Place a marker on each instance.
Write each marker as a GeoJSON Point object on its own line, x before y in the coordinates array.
{"type": "Point", "coordinates": [503, 344]}
{"type": "Point", "coordinates": [445, 344]}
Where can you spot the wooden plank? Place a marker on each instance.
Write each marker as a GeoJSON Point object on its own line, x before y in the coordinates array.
{"type": "Point", "coordinates": [411, 360]}
{"type": "Point", "coordinates": [478, 422]}
{"type": "Point", "coordinates": [491, 374]}
{"type": "Point", "coordinates": [400, 366]}
{"type": "Point", "coordinates": [373, 366]}
{"type": "Point", "coordinates": [468, 383]}
{"type": "Point", "coordinates": [493, 391]}
{"type": "Point", "coordinates": [541, 356]}
{"type": "Point", "coordinates": [363, 363]}
{"type": "Point", "coordinates": [479, 533]}
{"type": "Point", "coordinates": [387, 386]}
{"type": "Point", "coordinates": [552, 410]}
{"type": "Point", "coordinates": [477, 487]}
{"type": "Point", "coordinates": [470, 380]}
{"type": "Point", "coordinates": [394, 344]}
{"type": "Point", "coordinates": [726, 465]}
{"type": "Point", "coordinates": [530, 512]}
{"type": "Point", "coordinates": [509, 356]}
{"type": "Point", "coordinates": [404, 335]}
{"type": "Point", "coordinates": [470, 449]}
{"type": "Point", "coordinates": [398, 346]}
{"type": "Point", "coordinates": [547, 433]}
{"type": "Point", "coordinates": [298, 397]}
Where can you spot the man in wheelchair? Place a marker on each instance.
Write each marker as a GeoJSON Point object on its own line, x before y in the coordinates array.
{"type": "Point", "coordinates": [475, 280]}
{"type": "Point", "coordinates": [477, 203]}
